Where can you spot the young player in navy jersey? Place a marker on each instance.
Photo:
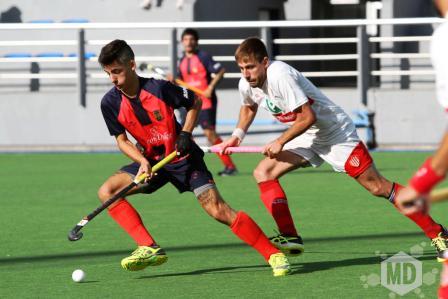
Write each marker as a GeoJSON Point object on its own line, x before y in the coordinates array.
{"type": "Point", "coordinates": [196, 68]}
{"type": "Point", "coordinates": [144, 109]}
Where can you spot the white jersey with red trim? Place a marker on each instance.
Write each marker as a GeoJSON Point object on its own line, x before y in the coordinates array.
{"type": "Point", "coordinates": [439, 50]}
{"type": "Point", "coordinates": [286, 89]}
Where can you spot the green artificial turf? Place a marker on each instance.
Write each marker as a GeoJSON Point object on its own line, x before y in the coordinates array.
{"type": "Point", "coordinates": [345, 230]}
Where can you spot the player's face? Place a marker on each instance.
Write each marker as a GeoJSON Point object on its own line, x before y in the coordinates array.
{"type": "Point", "coordinates": [253, 70]}
{"type": "Point", "coordinates": [120, 74]}
{"type": "Point", "coordinates": [190, 43]}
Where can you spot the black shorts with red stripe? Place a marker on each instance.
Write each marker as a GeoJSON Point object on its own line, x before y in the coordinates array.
{"type": "Point", "coordinates": [189, 174]}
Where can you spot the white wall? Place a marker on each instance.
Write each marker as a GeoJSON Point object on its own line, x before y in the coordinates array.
{"type": "Point", "coordinates": [410, 117]}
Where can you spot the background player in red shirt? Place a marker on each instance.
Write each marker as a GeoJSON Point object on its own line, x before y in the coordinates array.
{"type": "Point", "coordinates": [196, 68]}
{"type": "Point", "coordinates": [144, 108]}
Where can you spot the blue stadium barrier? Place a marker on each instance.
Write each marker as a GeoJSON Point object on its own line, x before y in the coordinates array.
{"type": "Point", "coordinates": [87, 55]}
{"type": "Point", "coordinates": [50, 54]}
{"type": "Point", "coordinates": [43, 21]}
{"type": "Point", "coordinates": [365, 119]}
{"type": "Point", "coordinates": [17, 55]}
{"type": "Point", "coordinates": [75, 20]}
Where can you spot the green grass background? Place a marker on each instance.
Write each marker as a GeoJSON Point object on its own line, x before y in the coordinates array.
{"type": "Point", "coordinates": [344, 229]}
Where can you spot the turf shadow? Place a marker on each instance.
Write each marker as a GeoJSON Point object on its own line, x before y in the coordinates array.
{"type": "Point", "coordinates": [304, 268]}
{"type": "Point", "coordinates": [91, 255]}
{"type": "Point", "coordinates": [222, 270]}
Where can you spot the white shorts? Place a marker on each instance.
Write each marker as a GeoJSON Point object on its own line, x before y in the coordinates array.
{"type": "Point", "coordinates": [439, 48]}
{"type": "Point", "coordinates": [349, 155]}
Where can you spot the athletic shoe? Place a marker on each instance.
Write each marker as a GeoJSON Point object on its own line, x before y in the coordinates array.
{"type": "Point", "coordinates": [279, 263]}
{"type": "Point", "coordinates": [143, 257]}
{"type": "Point", "coordinates": [228, 171]}
{"type": "Point", "coordinates": [441, 244]}
{"type": "Point", "coordinates": [289, 245]}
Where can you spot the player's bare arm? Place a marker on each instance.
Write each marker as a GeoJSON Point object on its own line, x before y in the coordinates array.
{"type": "Point", "coordinates": [305, 119]}
{"type": "Point", "coordinates": [192, 115]}
{"type": "Point", "coordinates": [130, 150]}
{"type": "Point", "coordinates": [245, 119]}
{"type": "Point", "coordinates": [212, 85]}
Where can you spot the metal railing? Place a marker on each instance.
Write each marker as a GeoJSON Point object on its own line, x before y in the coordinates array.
{"type": "Point", "coordinates": [362, 40]}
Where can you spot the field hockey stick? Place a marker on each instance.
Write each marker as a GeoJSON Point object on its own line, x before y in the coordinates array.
{"type": "Point", "coordinates": [438, 195]}
{"type": "Point", "coordinates": [179, 82]}
{"type": "Point", "coordinates": [192, 88]}
{"type": "Point", "coordinates": [237, 149]}
{"type": "Point", "coordinates": [75, 234]}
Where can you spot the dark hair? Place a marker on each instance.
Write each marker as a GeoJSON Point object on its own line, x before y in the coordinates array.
{"type": "Point", "coordinates": [190, 31]}
{"type": "Point", "coordinates": [251, 47]}
{"type": "Point", "coordinates": [117, 50]}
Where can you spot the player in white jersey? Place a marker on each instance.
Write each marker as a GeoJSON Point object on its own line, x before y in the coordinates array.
{"type": "Point", "coordinates": [415, 196]}
{"type": "Point", "coordinates": [319, 131]}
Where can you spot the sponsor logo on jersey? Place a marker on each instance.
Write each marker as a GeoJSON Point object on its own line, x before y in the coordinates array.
{"type": "Point", "coordinates": [354, 161]}
{"type": "Point", "coordinates": [272, 107]}
{"type": "Point", "coordinates": [185, 92]}
{"type": "Point", "coordinates": [157, 115]}
{"type": "Point", "coordinates": [158, 137]}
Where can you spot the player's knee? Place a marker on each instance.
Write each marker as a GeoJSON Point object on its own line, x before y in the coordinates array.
{"type": "Point", "coordinates": [262, 174]}
{"type": "Point", "coordinates": [104, 192]}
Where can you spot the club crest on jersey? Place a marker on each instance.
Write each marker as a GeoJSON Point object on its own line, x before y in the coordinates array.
{"type": "Point", "coordinates": [354, 161]}
{"type": "Point", "coordinates": [157, 115]}
{"type": "Point", "coordinates": [272, 107]}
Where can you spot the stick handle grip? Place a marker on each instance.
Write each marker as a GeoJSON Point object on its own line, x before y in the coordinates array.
{"type": "Point", "coordinates": [192, 88]}
{"type": "Point", "coordinates": [156, 167]}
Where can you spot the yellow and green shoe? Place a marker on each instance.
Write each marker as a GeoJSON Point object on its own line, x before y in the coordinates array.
{"type": "Point", "coordinates": [441, 244]}
{"type": "Point", "coordinates": [279, 264]}
{"type": "Point", "coordinates": [143, 257]}
{"type": "Point", "coordinates": [289, 245]}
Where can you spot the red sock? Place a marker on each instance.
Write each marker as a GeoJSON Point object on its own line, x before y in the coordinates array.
{"type": "Point", "coordinates": [274, 199]}
{"type": "Point", "coordinates": [422, 219]}
{"type": "Point", "coordinates": [225, 159]}
{"type": "Point", "coordinates": [443, 290]}
{"type": "Point", "coordinates": [247, 230]}
{"type": "Point", "coordinates": [129, 219]}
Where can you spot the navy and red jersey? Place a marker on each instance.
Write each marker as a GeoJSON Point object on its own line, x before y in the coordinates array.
{"type": "Point", "coordinates": [196, 71]}
{"type": "Point", "coordinates": [149, 117]}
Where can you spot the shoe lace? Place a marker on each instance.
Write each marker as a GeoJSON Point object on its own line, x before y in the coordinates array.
{"type": "Point", "coordinates": [439, 243]}
{"type": "Point", "coordinates": [277, 236]}
{"type": "Point", "coordinates": [139, 251]}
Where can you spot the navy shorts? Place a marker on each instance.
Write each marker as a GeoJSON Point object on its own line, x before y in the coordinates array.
{"type": "Point", "coordinates": [207, 118]}
{"type": "Point", "coordinates": [190, 174]}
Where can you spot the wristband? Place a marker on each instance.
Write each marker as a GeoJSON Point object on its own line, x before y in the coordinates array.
{"type": "Point", "coordinates": [239, 133]}
{"type": "Point", "coordinates": [425, 178]}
